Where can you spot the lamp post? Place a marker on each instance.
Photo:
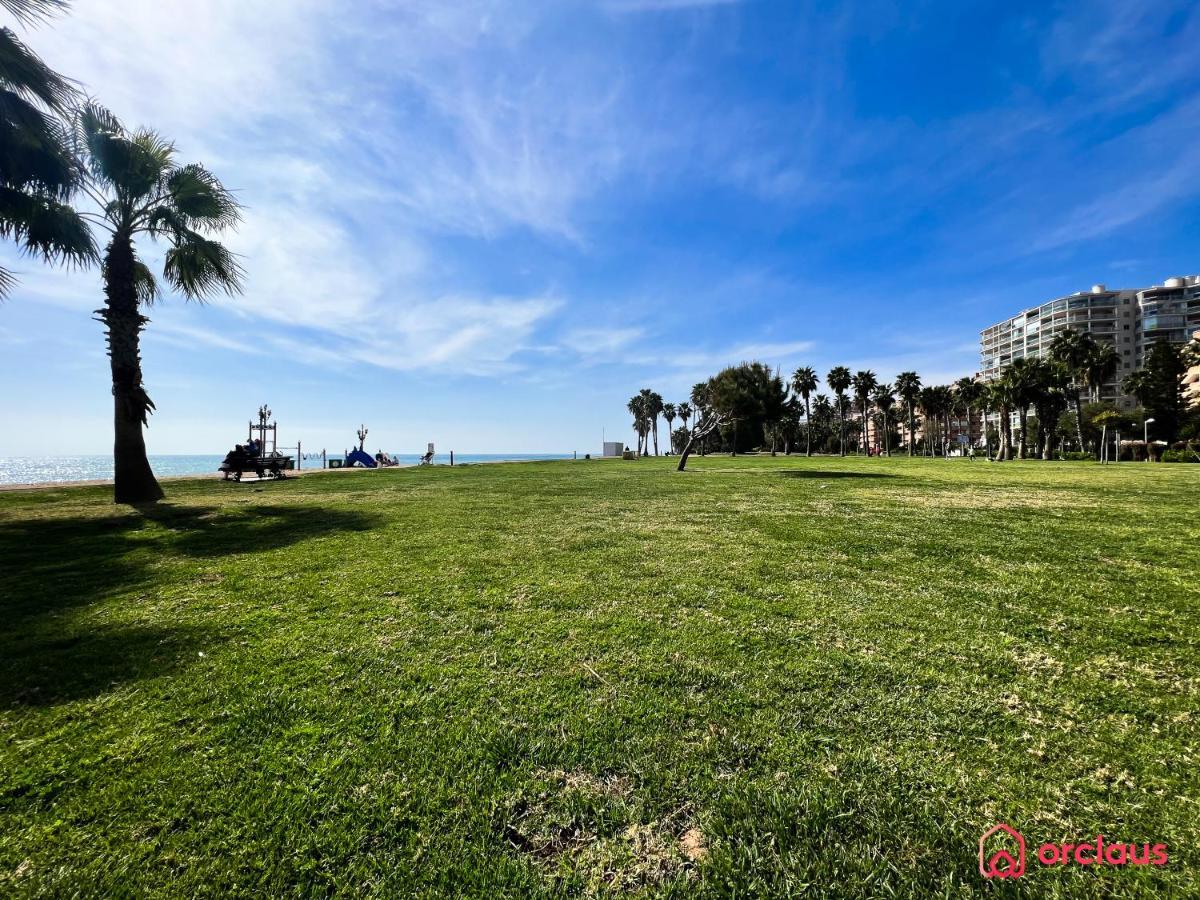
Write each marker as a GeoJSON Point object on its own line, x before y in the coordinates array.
{"type": "Point", "coordinates": [1146, 438]}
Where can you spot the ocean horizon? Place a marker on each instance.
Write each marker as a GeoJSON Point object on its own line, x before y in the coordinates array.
{"type": "Point", "coordinates": [99, 467]}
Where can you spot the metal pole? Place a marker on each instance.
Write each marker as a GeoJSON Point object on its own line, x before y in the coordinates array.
{"type": "Point", "coordinates": [451, 457]}
{"type": "Point", "coordinates": [299, 457]}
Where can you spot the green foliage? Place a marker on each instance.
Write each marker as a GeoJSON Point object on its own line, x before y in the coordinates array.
{"type": "Point", "coordinates": [38, 175]}
{"type": "Point", "coordinates": [1181, 456]}
{"type": "Point", "coordinates": [753, 397]}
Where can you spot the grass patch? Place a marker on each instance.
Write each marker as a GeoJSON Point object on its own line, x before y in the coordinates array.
{"type": "Point", "coordinates": [760, 677]}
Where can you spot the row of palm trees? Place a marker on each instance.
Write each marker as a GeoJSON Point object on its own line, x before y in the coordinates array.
{"type": "Point", "coordinates": [70, 171]}
{"type": "Point", "coordinates": [1046, 387]}
{"type": "Point", "coordinates": [646, 406]}
{"type": "Point", "coordinates": [876, 405]}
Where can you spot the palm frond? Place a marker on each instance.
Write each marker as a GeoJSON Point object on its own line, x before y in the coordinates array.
{"type": "Point", "coordinates": [144, 283]}
{"type": "Point", "coordinates": [23, 72]}
{"type": "Point", "coordinates": [8, 281]}
{"type": "Point", "coordinates": [131, 165]}
{"type": "Point", "coordinates": [44, 227]}
{"type": "Point", "coordinates": [30, 12]}
{"type": "Point", "coordinates": [199, 268]}
{"type": "Point", "coordinates": [33, 150]}
{"type": "Point", "coordinates": [199, 197]}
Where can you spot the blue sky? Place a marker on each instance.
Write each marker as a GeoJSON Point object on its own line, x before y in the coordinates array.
{"type": "Point", "coordinates": [487, 224]}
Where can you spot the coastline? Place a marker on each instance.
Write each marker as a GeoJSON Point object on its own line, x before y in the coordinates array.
{"type": "Point", "coordinates": [216, 476]}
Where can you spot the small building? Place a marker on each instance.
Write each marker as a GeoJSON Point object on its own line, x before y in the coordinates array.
{"type": "Point", "coordinates": [613, 448]}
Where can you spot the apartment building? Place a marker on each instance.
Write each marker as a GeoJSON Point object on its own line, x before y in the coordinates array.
{"type": "Point", "coordinates": [1131, 320]}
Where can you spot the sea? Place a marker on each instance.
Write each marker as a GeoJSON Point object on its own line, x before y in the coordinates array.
{"type": "Point", "coordinates": [48, 469]}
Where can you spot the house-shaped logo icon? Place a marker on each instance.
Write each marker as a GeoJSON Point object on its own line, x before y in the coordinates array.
{"type": "Point", "coordinates": [1005, 857]}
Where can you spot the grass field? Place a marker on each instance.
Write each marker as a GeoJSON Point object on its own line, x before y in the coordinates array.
{"type": "Point", "coordinates": [761, 677]}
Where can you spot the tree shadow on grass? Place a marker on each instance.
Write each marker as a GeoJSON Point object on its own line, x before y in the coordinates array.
{"type": "Point", "coordinates": [46, 670]}
{"type": "Point", "coordinates": [817, 473]}
{"type": "Point", "coordinates": [55, 564]}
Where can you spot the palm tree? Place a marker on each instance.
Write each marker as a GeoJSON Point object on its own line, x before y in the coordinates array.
{"type": "Point", "coordinates": [668, 413]}
{"type": "Point", "coordinates": [685, 412]}
{"type": "Point", "coordinates": [1073, 349]}
{"type": "Point", "coordinates": [1022, 377]}
{"type": "Point", "coordinates": [1000, 399]}
{"type": "Point", "coordinates": [804, 382]}
{"type": "Point", "coordinates": [908, 386]}
{"type": "Point", "coordinates": [1101, 366]}
{"type": "Point", "coordinates": [135, 181]}
{"type": "Point", "coordinates": [967, 393]}
{"type": "Point", "coordinates": [701, 397]}
{"type": "Point", "coordinates": [637, 408]}
{"type": "Point", "coordinates": [1050, 400]}
{"type": "Point", "coordinates": [654, 408]}
{"type": "Point", "coordinates": [884, 401]}
{"type": "Point", "coordinates": [863, 382]}
{"type": "Point", "coordinates": [839, 381]}
{"type": "Point", "coordinates": [38, 175]}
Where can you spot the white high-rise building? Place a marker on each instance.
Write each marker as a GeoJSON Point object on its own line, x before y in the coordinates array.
{"type": "Point", "coordinates": [1131, 320]}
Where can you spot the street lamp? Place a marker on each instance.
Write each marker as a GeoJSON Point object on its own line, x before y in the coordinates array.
{"type": "Point", "coordinates": [1146, 438]}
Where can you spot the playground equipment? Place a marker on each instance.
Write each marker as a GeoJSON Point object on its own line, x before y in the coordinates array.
{"type": "Point", "coordinates": [253, 456]}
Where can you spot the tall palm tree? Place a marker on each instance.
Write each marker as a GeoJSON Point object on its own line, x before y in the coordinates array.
{"type": "Point", "coordinates": [1101, 366]}
{"type": "Point", "coordinates": [701, 397]}
{"type": "Point", "coordinates": [654, 408]}
{"type": "Point", "coordinates": [863, 382]}
{"type": "Point", "coordinates": [669, 412]}
{"type": "Point", "coordinates": [142, 191]}
{"type": "Point", "coordinates": [885, 399]}
{"type": "Point", "coordinates": [967, 394]}
{"type": "Point", "coordinates": [804, 382]}
{"type": "Point", "coordinates": [839, 381]}
{"type": "Point", "coordinates": [1001, 399]}
{"type": "Point", "coordinates": [1022, 376]}
{"type": "Point", "coordinates": [38, 175]}
{"type": "Point", "coordinates": [908, 386]}
{"type": "Point", "coordinates": [822, 415]}
{"type": "Point", "coordinates": [685, 412]}
{"type": "Point", "coordinates": [1050, 400]}
{"type": "Point", "coordinates": [1073, 349]}
{"type": "Point", "coordinates": [636, 407]}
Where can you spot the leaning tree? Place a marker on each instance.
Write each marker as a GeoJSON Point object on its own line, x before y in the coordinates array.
{"type": "Point", "coordinates": [708, 420]}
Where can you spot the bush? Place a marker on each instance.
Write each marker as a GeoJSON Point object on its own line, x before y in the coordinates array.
{"type": "Point", "coordinates": [1180, 456]}
{"type": "Point", "coordinates": [1077, 456]}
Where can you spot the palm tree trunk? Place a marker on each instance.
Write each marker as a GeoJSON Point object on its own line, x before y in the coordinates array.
{"type": "Point", "coordinates": [807, 429]}
{"type": "Point", "coordinates": [842, 428]}
{"type": "Point", "coordinates": [911, 425]}
{"type": "Point", "coordinates": [1023, 413]}
{"type": "Point", "coordinates": [134, 480]}
{"type": "Point", "coordinates": [1078, 420]}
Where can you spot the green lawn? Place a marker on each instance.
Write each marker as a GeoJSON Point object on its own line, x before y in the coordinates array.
{"type": "Point", "coordinates": [761, 677]}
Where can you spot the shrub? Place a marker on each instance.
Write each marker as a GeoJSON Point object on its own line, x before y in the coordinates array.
{"type": "Point", "coordinates": [1180, 456]}
{"type": "Point", "coordinates": [1077, 456]}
